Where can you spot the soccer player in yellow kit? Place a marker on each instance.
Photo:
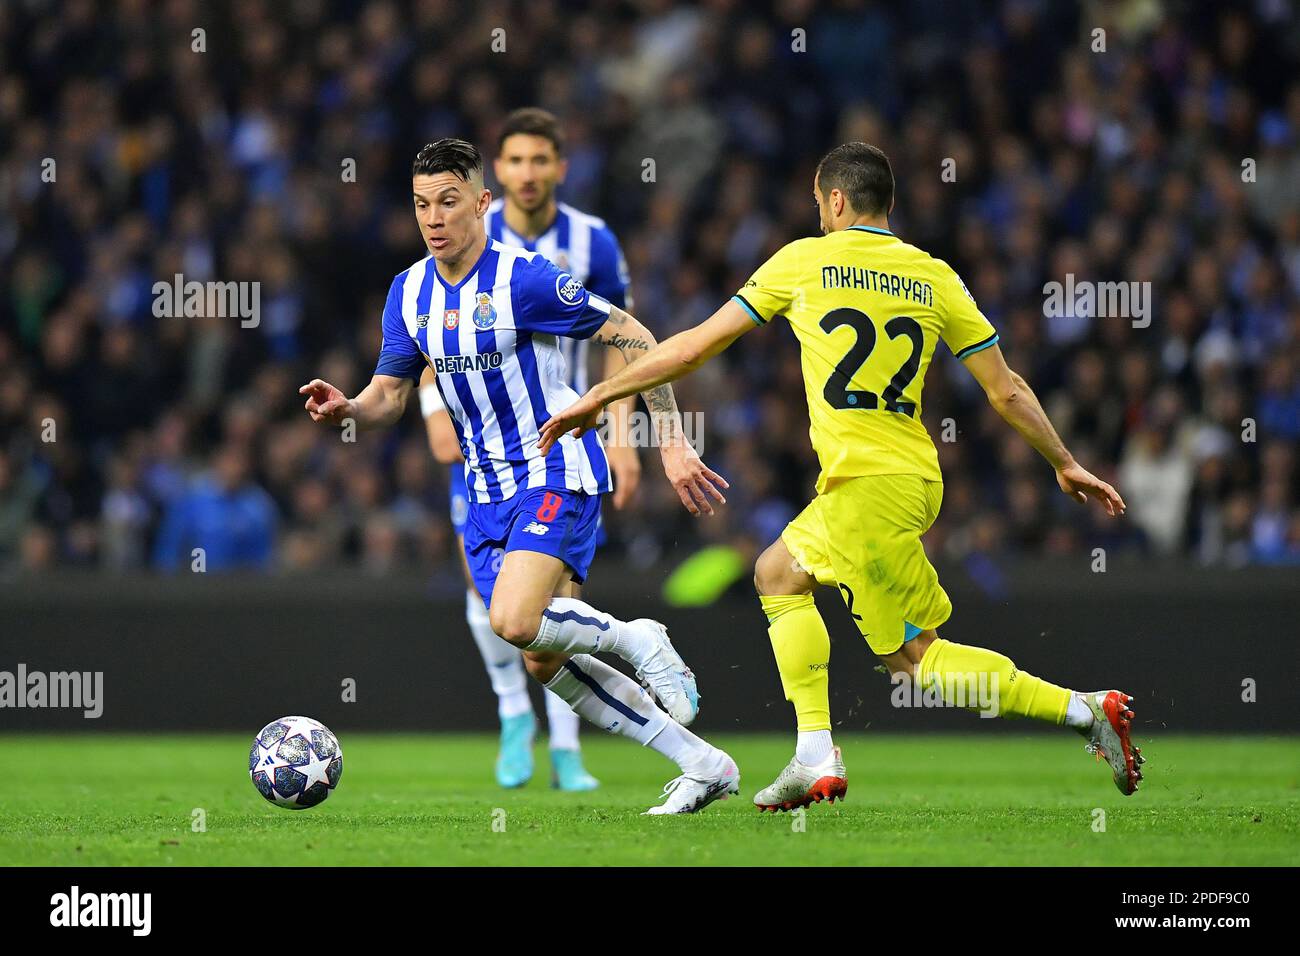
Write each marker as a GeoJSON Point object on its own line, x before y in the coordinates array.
{"type": "Point", "coordinates": [869, 310]}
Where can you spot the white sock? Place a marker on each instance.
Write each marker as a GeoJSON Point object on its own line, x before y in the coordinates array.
{"type": "Point", "coordinates": [504, 663]}
{"type": "Point", "coordinates": [685, 749]}
{"type": "Point", "coordinates": [1078, 714]}
{"type": "Point", "coordinates": [570, 626]}
{"type": "Point", "coordinates": [607, 698]}
{"type": "Point", "coordinates": [561, 723]}
{"type": "Point", "coordinates": [813, 747]}
{"type": "Point", "coordinates": [613, 701]}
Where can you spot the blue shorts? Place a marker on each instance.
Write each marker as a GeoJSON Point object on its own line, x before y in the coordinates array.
{"type": "Point", "coordinates": [554, 521]}
{"type": "Point", "coordinates": [460, 504]}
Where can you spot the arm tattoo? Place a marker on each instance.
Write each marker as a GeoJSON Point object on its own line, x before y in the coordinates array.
{"type": "Point", "coordinates": [635, 340]}
{"type": "Point", "coordinates": [660, 400]}
{"type": "Point", "coordinates": [663, 414]}
{"type": "Point", "coordinates": [625, 343]}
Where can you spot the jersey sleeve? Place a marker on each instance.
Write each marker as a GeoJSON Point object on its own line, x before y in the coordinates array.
{"type": "Point", "coordinates": [548, 300]}
{"type": "Point", "coordinates": [398, 355]}
{"type": "Point", "coordinates": [608, 277]}
{"type": "Point", "coordinates": [965, 330]}
{"type": "Point", "coordinates": [771, 289]}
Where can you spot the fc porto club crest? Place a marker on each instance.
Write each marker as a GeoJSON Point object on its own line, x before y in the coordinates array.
{"type": "Point", "coordinates": [485, 313]}
{"type": "Point", "coordinates": [450, 319]}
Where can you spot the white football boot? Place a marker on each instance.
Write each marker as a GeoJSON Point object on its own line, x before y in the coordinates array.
{"type": "Point", "coordinates": [665, 674]}
{"type": "Point", "coordinates": [799, 785]}
{"type": "Point", "coordinates": [1112, 718]}
{"type": "Point", "coordinates": [692, 792]}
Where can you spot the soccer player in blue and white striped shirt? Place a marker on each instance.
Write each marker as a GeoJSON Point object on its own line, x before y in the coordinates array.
{"type": "Point", "coordinates": [485, 317]}
{"type": "Point", "coordinates": [530, 166]}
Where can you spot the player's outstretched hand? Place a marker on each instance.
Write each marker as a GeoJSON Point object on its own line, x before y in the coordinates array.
{"type": "Point", "coordinates": [325, 403]}
{"type": "Point", "coordinates": [694, 481]}
{"type": "Point", "coordinates": [1081, 484]}
{"type": "Point", "coordinates": [581, 416]}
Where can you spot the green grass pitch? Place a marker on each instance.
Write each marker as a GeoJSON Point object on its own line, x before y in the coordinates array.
{"type": "Point", "coordinates": [407, 799]}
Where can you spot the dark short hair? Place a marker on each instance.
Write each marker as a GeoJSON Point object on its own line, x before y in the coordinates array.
{"type": "Point", "coordinates": [448, 156]}
{"type": "Point", "coordinates": [533, 121]}
{"type": "Point", "coordinates": [862, 172]}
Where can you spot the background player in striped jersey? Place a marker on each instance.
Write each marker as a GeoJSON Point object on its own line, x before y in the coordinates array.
{"type": "Point", "coordinates": [486, 317]}
{"type": "Point", "coordinates": [530, 165]}
{"type": "Point", "coordinates": [869, 311]}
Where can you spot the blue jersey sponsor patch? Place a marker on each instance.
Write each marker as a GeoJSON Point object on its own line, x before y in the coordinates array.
{"type": "Point", "coordinates": [568, 289]}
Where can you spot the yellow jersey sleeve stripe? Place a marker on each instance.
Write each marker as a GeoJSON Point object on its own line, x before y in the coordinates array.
{"type": "Point", "coordinates": [753, 313]}
{"type": "Point", "coordinates": [978, 346]}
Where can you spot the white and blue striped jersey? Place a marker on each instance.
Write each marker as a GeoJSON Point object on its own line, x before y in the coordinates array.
{"type": "Point", "coordinates": [492, 342]}
{"type": "Point", "coordinates": [582, 246]}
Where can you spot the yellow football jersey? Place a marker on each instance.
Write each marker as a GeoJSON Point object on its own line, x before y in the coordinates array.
{"type": "Point", "coordinates": [869, 311]}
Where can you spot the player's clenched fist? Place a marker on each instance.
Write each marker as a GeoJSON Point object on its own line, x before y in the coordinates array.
{"type": "Point", "coordinates": [325, 403]}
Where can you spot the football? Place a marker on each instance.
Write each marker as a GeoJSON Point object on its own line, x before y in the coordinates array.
{"type": "Point", "coordinates": [295, 762]}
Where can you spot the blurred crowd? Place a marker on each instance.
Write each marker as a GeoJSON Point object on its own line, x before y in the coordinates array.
{"type": "Point", "coordinates": [1023, 154]}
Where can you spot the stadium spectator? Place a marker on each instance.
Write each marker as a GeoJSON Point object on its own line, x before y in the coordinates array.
{"type": "Point", "coordinates": [280, 154]}
{"type": "Point", "coordinates": [225, 515]}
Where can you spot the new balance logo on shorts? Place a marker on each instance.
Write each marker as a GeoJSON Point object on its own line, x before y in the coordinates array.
{"type": "Point", "coordinates": [536, 527]}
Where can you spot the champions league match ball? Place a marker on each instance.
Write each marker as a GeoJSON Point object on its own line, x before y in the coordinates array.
{"type": "Point", "coordinates": [295, 762]}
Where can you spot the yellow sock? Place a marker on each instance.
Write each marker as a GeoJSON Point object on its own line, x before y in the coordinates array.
{"type": "Point", "coordinates": [1016, 693]}
{"type": "Point", "coordinates": [803, 652]}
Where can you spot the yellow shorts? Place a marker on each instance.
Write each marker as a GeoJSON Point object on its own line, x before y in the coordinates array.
{"type": "Point", "coordinates": [864, 537]}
